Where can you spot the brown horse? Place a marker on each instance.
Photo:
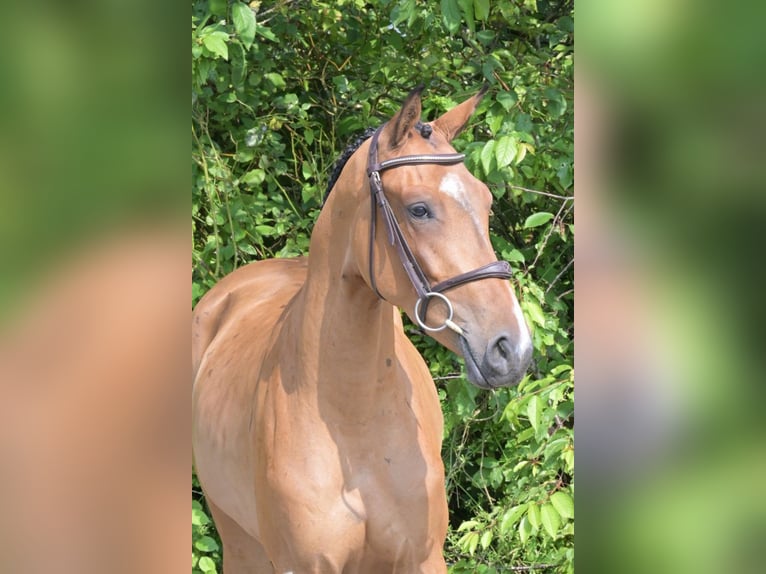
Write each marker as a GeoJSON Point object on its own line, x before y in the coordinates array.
{"type": "Point", "coordinates": [317, 426]}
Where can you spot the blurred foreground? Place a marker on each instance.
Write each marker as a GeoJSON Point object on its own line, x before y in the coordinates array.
{"type": "Point", "coordinates": [94, 290]}
{"type": "Point", "coordinates": [670, 188]}
{"type": "Point", "coordinates": [95, 417]}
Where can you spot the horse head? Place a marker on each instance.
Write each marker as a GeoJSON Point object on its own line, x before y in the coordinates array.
{"type": "Point", "coordinates": [431, 254]}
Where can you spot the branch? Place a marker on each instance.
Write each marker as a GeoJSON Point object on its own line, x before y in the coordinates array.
{"type": "Point", "coordinates": [523, 568]}
{"type": "Point", "coordinates": [557, 277]}
{"type": "Point", "coordinates": [545, 193]}
{"type": "Point", "coordinates": [549, 232]}
{"type": "Point", "coordinates": [533, 567]}
{"type": "Point", "coordinates": [564, 294]}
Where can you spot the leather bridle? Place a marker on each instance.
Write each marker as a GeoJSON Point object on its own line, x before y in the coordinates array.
{"type": "Point", "coordinates": [423, 288]}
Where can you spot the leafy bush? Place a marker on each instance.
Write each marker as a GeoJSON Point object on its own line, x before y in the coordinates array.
{"type": "Point", "coordinates": [279, 88]}
{"type": "Point", "coordinates": [206, 545]}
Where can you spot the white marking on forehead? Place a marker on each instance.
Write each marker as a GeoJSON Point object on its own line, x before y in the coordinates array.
{"type": "Point", "coordinates": [452, 185]}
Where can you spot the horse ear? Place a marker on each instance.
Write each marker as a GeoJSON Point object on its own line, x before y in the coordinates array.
{"type": "Point", "coordinates": [452, 122]}
{"type": "Point", "coordinates": [404, 120]}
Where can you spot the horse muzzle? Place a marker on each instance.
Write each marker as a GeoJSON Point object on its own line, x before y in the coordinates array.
{"type": "Point", "coordinates": [500, 362]}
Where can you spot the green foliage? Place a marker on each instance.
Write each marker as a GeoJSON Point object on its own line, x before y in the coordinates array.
{"type": "Point", "coordinates": [206, 546]}
{"type": "Point", "coordinates": [278, 90]}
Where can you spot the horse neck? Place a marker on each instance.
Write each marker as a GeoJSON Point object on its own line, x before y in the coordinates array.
{"type": "Point", "coordinates": [346, 332]}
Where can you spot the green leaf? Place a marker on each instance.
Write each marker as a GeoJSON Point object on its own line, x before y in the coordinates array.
{"type": "Point", "coordinates": [510, 517]}
{"type": "Point", "coordinates": [265, 229]}
{"type": "Point", "coordinates": [534, 410]}
{"type": "Point", "coordinates": [550, 519]}
{"type": "Point", "coordinates": [306, 170]}
{"type": "Point", "coordinates": [488, 156]}
{"type": "Point", "coordinates": [451, 15]}
{"type": "Point", "coordinates": [494, 121]}
{"type": "Point", "coordinates": [218, 7]}
{"type": "Point", "coordinates": [466, 7]}
{"type": "Point", "coordinates": [566, 23]}
{"type": "Point", "coordinates": [403, 11]}
{"type": "Point", "coordinates": [469, 542]}
{"type": "Point", "coordinates": [533, 514]}
{"type": "Point", "coordinates": [513, 256]}
{"type": "Point", "coordinates": [254, 177]}
{"type": "Point", "coordinates": [568, 457]}
{"type": "Point", "coordinates": [206, 544]}
{"type": "Point", "coordinates": [525, 529]}
{"type": "Point", "coordinates": [507, 100]}
{"type": "Point", "coordinates": [564, 174]}
{"type": "Point", "coordinates": [521, 152]}
{"type": "Point", "coordinates": [485, 36]}
{"type": "Point", "coordinates": [524, 436]}
{"type": "Point", "coordinates": [216, 43]}
{"type": "Point", "coordinates": [266, 33]}
{"type": "Point", "coordinates": [481, 9]}
{"type": "Point", "coordinates": [505, 151]}
{"type": "Point", "coordinates": [537, 219]}
{"type": "Point", "coordinates": [563, 504]}
{"type": "Point", "coordinates": [557, 104]}
{"type": "Point", "coordinates": [206, 564]}
{"type": "Point", "coordinates": [238, 66]}
{"type": "Point", "coordinates": [521, 464]}
{"type": "Point", "coordinates": [534, 312]}
{"type": "Point", "coordinates": [308, 192]}
{"type": "Point", "coordinates": [198, 516]}
{"type": "Point", "coordinates": [558, 369]}
{"type": "Point", "coordinates": [276, 79]}
{"type": "Point", "coordinates": [524, 123]}
{"type": "Point", "coordinates": [486, 539]}
{"type": "Point", "coordinates": [244, 23]}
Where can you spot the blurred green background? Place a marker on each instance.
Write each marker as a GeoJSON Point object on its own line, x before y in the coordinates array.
{"type": "Point", "coordinates": [89, 128]}
{"type": "Point", "coordinates": [94, 195]}
{"type": "Point", "coordinates": [670, 309]}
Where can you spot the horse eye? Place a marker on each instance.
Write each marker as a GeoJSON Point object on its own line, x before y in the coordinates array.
{"type": "Point", "coordinates": [419, 211]}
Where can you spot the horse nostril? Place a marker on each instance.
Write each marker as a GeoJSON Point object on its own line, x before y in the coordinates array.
{"type": "Point", "coordinates": [503, 346]}
{"type": "Point", "coordinates": [500, 354]}
{"type": "Point", "coordinates": [507, 358]}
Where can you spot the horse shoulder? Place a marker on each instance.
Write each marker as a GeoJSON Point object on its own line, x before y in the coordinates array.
{"type": "Point", "coordinates": [232, 330]}
{"type": "Point", "coordinates": [425, 399]}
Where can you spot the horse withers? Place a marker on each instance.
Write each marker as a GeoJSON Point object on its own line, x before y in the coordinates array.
{"type": "Point", "coordinates": [317, 427]}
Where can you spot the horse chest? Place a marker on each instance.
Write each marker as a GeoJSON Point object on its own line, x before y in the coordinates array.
{"type": "Point", "coordinates": [379, 515]}
{"type": "Point", "coordinates": [373, 485]}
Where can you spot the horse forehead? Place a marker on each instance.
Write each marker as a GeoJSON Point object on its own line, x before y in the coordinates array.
{"type": "Point", "coordinates": [458, 187]}
{"type": "Point", "coordinates": [455, 186]}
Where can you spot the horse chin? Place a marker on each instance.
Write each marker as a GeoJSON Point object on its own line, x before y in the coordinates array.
{"type": "Point", "coordinates": [472, 367]}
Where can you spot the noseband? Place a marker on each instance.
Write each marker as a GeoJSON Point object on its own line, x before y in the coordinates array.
{"type": "Point", "coordinates": [424, 289]}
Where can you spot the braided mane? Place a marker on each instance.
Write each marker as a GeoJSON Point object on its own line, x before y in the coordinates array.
{"type": "Point", "coordinates": [343, 159]}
